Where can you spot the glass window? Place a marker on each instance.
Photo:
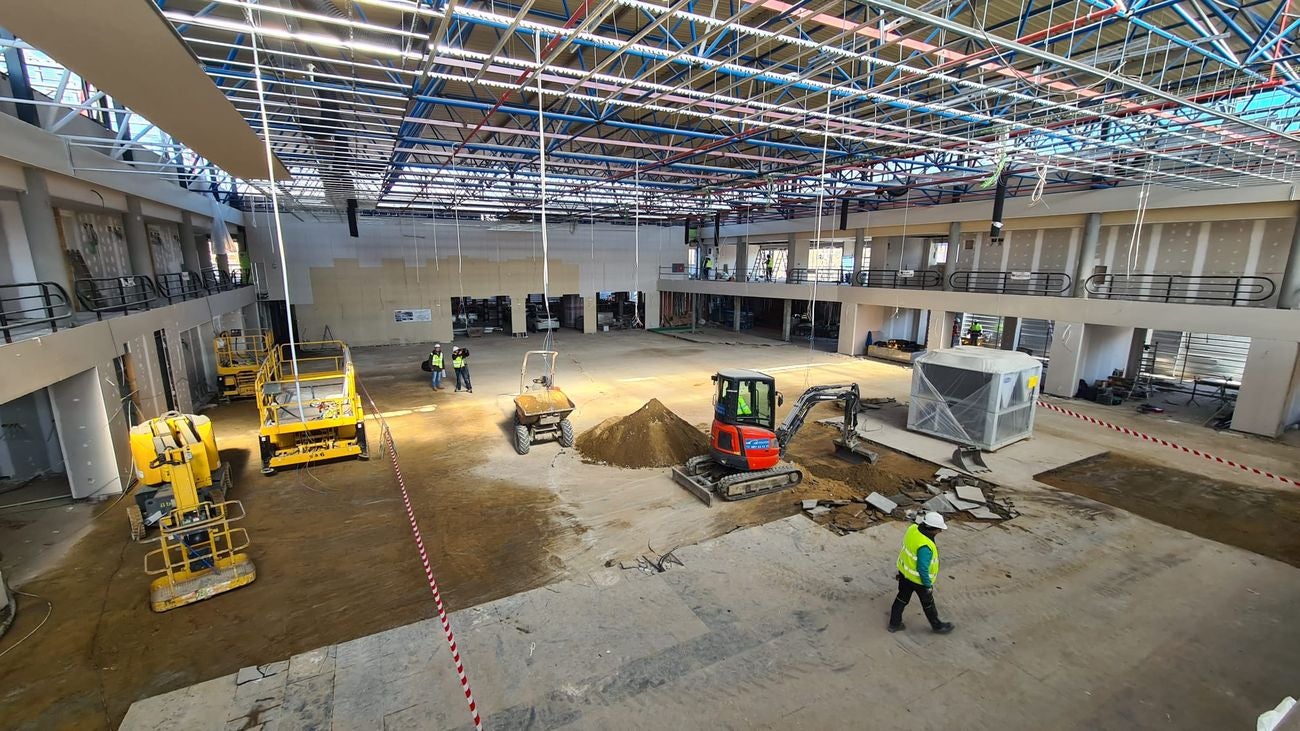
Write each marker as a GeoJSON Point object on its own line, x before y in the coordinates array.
{"type": "Point", "coordinates": [755, 402]}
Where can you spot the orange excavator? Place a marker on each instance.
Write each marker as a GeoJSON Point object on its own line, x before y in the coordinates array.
{"type": "Point", "coordinates": [747, 446]}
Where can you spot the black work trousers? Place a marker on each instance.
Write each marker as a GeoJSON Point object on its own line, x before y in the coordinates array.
{"type": "Point", "coordinates": [906, 589]}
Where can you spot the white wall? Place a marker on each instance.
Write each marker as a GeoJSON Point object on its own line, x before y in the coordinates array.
{"type": "Point", "coordinates": [353, 285]}
{"type": "Point", "coordinates": [1106, 348]}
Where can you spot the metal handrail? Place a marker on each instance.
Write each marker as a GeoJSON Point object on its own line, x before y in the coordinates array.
{"type": "Point", "coordinates": [1233, 289]}
{"type": "Point", "coordinates": [180, 285]}
{"type": "Point", "coordinates": [115, 294]}
{"type": "Point", "coordinates": [997, 282]}
{"type": "Point", "coordinates": [802, 275]}
{"type": "Point", "coordinates": [215, 280]}
{"type": "Point", "coordinates": [900, 278]}
{"type": "Point", "coordinates": [239, 278]}
{"type": "Point", "coordinates": [32, 303]}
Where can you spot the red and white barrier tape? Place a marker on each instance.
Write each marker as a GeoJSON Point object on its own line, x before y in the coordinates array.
{"type": "Point", "coordinates": [1134, 433]}
{"type": "Point", "coordinates": [433, 583]}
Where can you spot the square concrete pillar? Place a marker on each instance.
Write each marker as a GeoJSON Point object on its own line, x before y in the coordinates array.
{"type": "Point", "coordinates": [1010, 333]}
{"type": "Point", "coordinates": [788, 312]}
{"type": "Point", "coordinates": [652, 305]}
{"type": "Point", "coordinates": [519, 314]}
{"type": "Point", "coordinates": [938, 330]}
{"type": "Point", "coordinates": [735, 313]}
{"type": "Point", "coordinates": [1269, 398]}
{"type": "Point", "coordinates": [798, 254]}
{"type": "Point", "coordinates": [589, 314]}
{"type": "Point", "coordinates": [1066, 355]}
{"type": "Point", "coordinates": [81, 419]}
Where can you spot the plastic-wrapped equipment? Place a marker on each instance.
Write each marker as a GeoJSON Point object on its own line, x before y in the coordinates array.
{"type": "Point", "coordinates": [973, 395]}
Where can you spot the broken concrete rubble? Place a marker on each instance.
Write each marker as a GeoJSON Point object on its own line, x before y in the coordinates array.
{"type": "Point", "coordinates": [970, 493]}
{"type": "Point", "coordinates": [881, 503]}
{"type": "Point", "coordinates": [939, 505]}
{"type": "Point", "coordinates": [984, 513]}
{"type": "Point", "coordinates": [958, 503]}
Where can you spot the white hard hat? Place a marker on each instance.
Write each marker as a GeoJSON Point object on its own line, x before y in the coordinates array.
{"type": "Point", "coordinates": [438, 346]}
{"type": "Point", "coordinates": [934, 520]}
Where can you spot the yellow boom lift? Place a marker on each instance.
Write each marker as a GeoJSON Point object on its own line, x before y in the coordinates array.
{"type": "Point", "coordinates": [239, 357]}
{"type": "Point", "coordinates": [309, 410]}
{"type": "Point", "coordinates": [199, 554]}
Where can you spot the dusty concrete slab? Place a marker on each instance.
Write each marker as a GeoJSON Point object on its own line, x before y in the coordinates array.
{"type": "Point", "coordinates": [1060, 625]}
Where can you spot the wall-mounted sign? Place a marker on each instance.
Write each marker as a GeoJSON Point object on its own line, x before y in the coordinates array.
{"type": "Point", "coordinates": [413, 315]}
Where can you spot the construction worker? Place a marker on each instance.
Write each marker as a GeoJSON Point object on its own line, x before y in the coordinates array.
{"type": "Point", "coordinates": [742, 405]}
{"type": "Point", "coordinates": [976, 333]}
{"type": "Point", "coordinates": [767, 266]}
{"type": "Point", "coordinates": [918, 567]}
{"type": "Point", "coordinates": [458, 356]}
{"type": "Point", "coordinates": [436, 367]}
{"type": "Point", "coordinates": [708, 266]}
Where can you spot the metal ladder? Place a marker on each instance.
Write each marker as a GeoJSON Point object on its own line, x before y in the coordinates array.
{"type": "Point", "coordinates": [758, 273]}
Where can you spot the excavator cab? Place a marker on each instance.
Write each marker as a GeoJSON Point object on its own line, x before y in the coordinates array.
{"type": "Point", "coordinates": [743, 436]}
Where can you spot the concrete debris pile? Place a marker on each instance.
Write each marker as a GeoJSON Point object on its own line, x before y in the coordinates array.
{"type": "Point", "coordinates": [651, 436]}
{"type": "Point", "coordinates": [949, 493]}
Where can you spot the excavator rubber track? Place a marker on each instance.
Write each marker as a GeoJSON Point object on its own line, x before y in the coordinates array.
{"type": "Point", "coordinates": [709, 481]}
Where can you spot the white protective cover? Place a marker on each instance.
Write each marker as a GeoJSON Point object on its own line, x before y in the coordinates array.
{"type": "Point", "coordinates": [973, 395]}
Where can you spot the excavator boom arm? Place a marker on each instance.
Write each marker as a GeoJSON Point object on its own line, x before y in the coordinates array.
{"type": "Point", "coordinates": [794, 421]}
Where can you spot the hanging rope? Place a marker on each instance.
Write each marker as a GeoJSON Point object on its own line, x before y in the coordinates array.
{"type": "Point", "coordinates": [817, 239]}
{"type": "Point", "coordinates": [275, 210]}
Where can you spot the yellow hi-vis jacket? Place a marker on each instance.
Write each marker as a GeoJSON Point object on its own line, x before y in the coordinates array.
{"type": "Point", "coordinates": [913, 540]}
{"type": "Point", "coordinates": [435, 360]}
{"type": "Point", "coordinates": [457, 362]}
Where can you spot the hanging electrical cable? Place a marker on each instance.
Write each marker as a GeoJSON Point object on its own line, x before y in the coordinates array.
{"type": "Point", "coordinates": [636, 242]}
{"type": "Point", "coordinates": [275, 208]}
{"type": "Point", "coordinates": [548, 342]}
{"type": "Point", "coordinates": [817, 240]}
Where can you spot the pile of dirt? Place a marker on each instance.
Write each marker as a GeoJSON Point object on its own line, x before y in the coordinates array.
{"type": "Point", "coordinates": [651, 436]}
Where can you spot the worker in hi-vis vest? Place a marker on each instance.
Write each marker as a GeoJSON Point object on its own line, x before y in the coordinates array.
{"type": "Point", "coordinates": [918, 567]}
{"type": "Point", "coordinates": [436, 367]}
{"type": "Point", "coordinates": [708, 266]}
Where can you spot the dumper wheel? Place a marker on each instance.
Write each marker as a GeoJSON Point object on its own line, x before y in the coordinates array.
{"type": "Point", "coordinates": [136, 520]}
{"type": "Point", "coordinates": [566, 433]}
{"type": "Point", "coordinates": [523, 440]}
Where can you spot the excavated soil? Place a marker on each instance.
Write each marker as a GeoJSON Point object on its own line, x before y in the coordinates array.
{"type": "Point", "coordinates": [651, 436]}
{"type": "Point", "coordinates": [830, 477]}
{"type": "Point", "coordinates": [1259, 520]}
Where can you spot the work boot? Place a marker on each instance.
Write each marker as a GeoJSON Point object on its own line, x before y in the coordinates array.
{"type": "Point", "coordinates": [944, 628]}
{"type": "Point", "coordinates": [897, 627]}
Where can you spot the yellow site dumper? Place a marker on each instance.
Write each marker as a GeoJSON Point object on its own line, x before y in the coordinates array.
{"type": "Point", "coordinates": [184, 491]}
{"type": "Point", "coordinates": [309, 407]}
{"type": "Point", "coordinates": [239, 357]}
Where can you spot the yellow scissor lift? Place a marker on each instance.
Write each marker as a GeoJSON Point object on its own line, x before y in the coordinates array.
{"type": "Point", "coordinates": [312, 412]}
{"type": "Point", "coordinates": [239, 357]}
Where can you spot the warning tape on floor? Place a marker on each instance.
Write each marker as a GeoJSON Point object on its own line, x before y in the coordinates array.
{"type": "Point", "coordinates": [1147, 437]}
{"type": "Point", "coordinates": [433, 582]}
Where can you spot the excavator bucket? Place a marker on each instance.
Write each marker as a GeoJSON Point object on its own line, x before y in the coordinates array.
{"type": "Point", "coordinates": [969, 459]}
{"type": "Point", "coordinates": [854, 453]}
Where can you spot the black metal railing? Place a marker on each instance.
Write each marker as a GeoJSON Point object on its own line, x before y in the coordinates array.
{"type": "Point", "coordinates": [180, 286]}
{"type": "Point", "coordinates": [115, 294]}
{"type": "Point", "coordinates": [1181, 288]}
{"type": "Point", "coordinates": [28, 304]}
{"type": "Point", "coordinates": [1043, 284]}
{"type": "Point", "coordinates": [215, 280]}
{"type": "Point", "coordinates": [240, 278]}
{"type": "Point", "coordinates": [822, 276]}
{"type": "Point", "coordinates": [901, 278]}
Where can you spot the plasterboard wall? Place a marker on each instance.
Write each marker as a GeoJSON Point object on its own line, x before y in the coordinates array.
{"type": "Point", "coordinates": [353, 285]}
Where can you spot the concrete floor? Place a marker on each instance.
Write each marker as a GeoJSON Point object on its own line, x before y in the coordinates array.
{"type": "Point", "coordinates": [336, 564]}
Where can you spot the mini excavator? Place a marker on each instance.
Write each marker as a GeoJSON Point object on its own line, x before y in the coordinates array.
{"type": "Point", "coordinates": [199, 555]}
{"type": "Point", "coordinates": [746, 446]}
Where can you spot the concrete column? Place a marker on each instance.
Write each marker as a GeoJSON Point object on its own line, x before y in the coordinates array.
{"type": "Point", "coordinates": [1066, 353]}
{"type": "Point", "coordinates": [1010, 333]}
{"type": "Point", "coordinates": [797, 255]}
{"type": "Point", "coordinates": [742, 259]}
{"type": "Point", "coordinates": [203, 245]}
{"type": "Point", "coordinates": [223, 258]}
{"type": "Point", "coordinates": [189, 247]}
{"type": "Point", "coordinates": [519, 314]}
{"type": "Point", "coordinates": [1087, 253]}
{"type": "Point", "coordinates": [859, 246]}
{"type": "Point", "coordinates": [137, 239]}
{"type": "Point", "coordinates": [652, 304]}
{"type": "Point", "coordinates": [938, 331]}
{"type": "Point", "coordinates": [81, 420]}
{"type": "Point", "coordinates": [1288, 297]}
{"type": "Point", "coordinates": [589, 314]}
{"type": "Point", "coordinates": [954, 251]}
{"type": "Point", "coordinates": [1269, 399]}
{"type": "Point", "coordinates": [1135, 351]}
{"type": "Point", "coordinates": [788, 311]}
{"type": "Point", "coordinates": [735, 314]}
{"type": "Point", "coordinates": [48, 261]}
